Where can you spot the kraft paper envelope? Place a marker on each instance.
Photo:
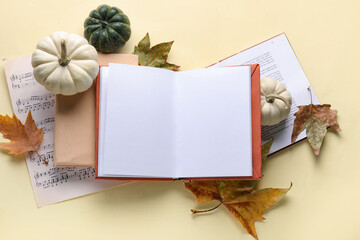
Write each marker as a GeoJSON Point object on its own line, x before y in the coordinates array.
{"type": "Point", "coordinates": [75, 123]}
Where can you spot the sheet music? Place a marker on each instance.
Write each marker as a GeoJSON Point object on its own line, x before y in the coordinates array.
{"type": "Point", "coordinates": [50, 184]}
{"type": "Point", "coordinates": [278, 60]}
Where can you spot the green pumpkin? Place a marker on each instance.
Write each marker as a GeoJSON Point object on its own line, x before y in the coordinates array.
{"type": "Point", "coordinates": [107, 29]}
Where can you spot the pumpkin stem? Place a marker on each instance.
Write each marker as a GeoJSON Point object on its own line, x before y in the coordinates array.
{"type": "Point", "coordinates": [103, 24]}
{"type": "Point", "coordinates": [63, 61]}
{"type": "Point", "coordinates": [271, 97]}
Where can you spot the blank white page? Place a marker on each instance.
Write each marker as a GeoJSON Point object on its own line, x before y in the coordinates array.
{"type": "Point", "coordinates": [139, 133]}
{"type": "Point", "coordinates": [104, 71]}
{"type": "Point", "coordinates": [214, 122]}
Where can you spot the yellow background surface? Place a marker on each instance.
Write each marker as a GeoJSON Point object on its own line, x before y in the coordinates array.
{"type": "Point", "coordinates": [324, 202]}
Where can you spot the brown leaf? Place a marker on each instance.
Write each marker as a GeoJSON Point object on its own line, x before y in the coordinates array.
{"type": "Point", "coordinates": [316, 119]}
{"type": "Point", "coordinates": [204, 191]}
{"type": "Point", "coordinates": [245, 204]}
{"type": "Point", "coordinates": [265, 149]}
{"type": "Point", "coordinates": [253, 204]}
{"type": "Point", "coordinates": [249, 226]}
{"type": "Point", "coordinates": [155, 56]}
{"type": "Point", "coordinates": [239, 196]}
{"type": "Point", "coordinates": [23, 138]}
{"type": "Point", "coordinates": [230, 190]}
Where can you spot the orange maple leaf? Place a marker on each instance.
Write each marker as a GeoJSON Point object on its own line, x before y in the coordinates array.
{"type": "Point", "coordinates": [23, 137]}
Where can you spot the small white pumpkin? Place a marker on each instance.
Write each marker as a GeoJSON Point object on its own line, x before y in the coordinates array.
{"type": "Point", "coordinates": [65, 63]}
{"type": "Point", "coordinates": [275, 101]}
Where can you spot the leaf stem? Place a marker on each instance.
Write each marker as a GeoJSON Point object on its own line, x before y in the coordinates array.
{"type": "Point", "coordinates": [310, 94]}
{"type": "Point", "coordinates": [46, 162]}
{"type": "Point", "coordinates": [194, 211]}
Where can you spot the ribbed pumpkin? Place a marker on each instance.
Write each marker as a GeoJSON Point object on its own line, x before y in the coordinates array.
{"type": "Point", "coordinates": [107, 29]}
{"type": "Point", "coordinates": [65, 63]}
{"type": "Point", "coordinates": [275, 101]}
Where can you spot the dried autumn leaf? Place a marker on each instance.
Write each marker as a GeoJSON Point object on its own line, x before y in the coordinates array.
{"type": "Point", "coordinates": [239, 197]}
{"type": "Point", "coordinates": [204, 191]}
{"type": "Point", "coordinates": [265, 149]}
{"type": "Point", "coordinates": [251, 206]}
{"type": "Point", "coordinates": [246, 206]}
{"type": "Point", "coordinates": [23, 137]}
{"type": "Point", "coordinates": [316, 119]}
{"type": "Point", "coordinates": [230, 190]}
{"type": "Point", "coordinates": [155, 56]}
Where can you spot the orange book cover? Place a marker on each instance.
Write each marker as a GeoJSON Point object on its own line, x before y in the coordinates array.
{"type": "Point", "coordinates": [256, 134]}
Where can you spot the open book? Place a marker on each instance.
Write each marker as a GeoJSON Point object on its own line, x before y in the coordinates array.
{"type": "Point", "coordinates": [278, 60]}
{"type": "Point", "coordinates": [159, 124]}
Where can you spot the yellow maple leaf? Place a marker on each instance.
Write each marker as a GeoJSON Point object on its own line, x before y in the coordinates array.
{"type": "Point", "coordinates": [251, 208]}
{"type": "Point", "coordinates": [23, 137]}
{"type": "Point", "coordinates": [247, 206]}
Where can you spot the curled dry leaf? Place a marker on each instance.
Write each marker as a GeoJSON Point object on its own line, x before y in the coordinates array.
{"type": "Point", "coordinates": [155, 56]}
{"type": "Point", "coordinates": [23, 137]}
{"type": "Point", "coordinates": [239, 197]}
{"type": "Point", "coordinates": [316, 119]}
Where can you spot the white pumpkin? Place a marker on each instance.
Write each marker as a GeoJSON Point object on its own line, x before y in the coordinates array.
{"type": "Point", "coordinates": [275, 101]}
{"type": "Point", "coordinates": [65, 63]}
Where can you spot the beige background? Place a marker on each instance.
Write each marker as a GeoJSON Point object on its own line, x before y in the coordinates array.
{"type": "Point", "coordinates": [324, 201]}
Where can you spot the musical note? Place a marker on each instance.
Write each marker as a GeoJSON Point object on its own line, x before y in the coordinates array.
{"type": "Point", "coordinates": [61, 175]}
{"type": "Point", "coordinates": [50, 184]}
{"type": "Point", "coordinates": [22, 80]}
{"type": "Point", "coordinates": [36, 103]}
